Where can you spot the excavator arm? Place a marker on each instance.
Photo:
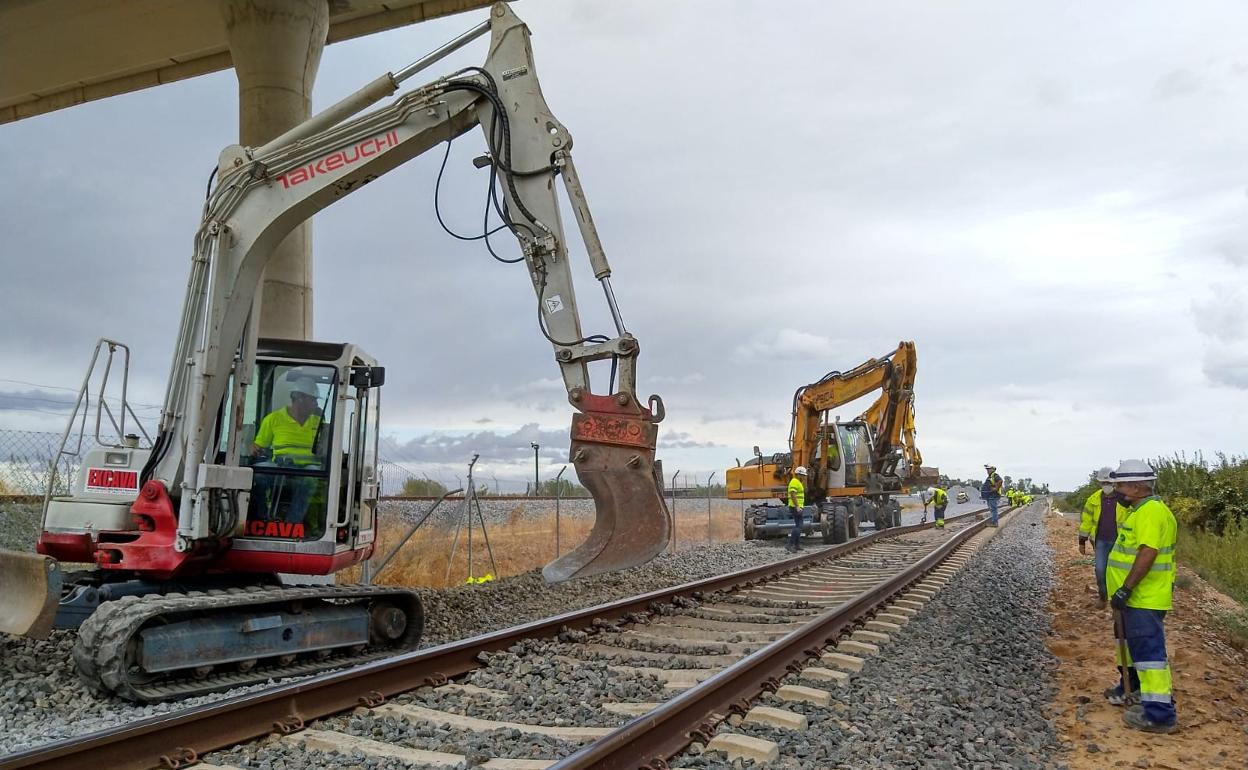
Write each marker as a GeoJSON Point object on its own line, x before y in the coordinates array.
{"type": "Point", "coordinates": [263, 193]}
{"type": "Point", "coordinates": [890, 418]}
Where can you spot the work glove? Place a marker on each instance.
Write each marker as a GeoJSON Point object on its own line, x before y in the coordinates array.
{"type": "Point", "coordinates": [1083, 544]}
{"type": "Point", "coordinates": [1119, 600]}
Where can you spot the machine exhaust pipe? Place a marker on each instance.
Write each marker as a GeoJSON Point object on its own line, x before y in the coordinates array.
{"type": "Point", "coordinates": [30, 593]}
{"type": "Point", "coordinates": [613, 451]}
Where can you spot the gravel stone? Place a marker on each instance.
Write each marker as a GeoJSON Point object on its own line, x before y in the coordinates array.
{"type": "Point", "coordinates": [966, 683]}
{"type": "Point", "coordinates": [42, 700]}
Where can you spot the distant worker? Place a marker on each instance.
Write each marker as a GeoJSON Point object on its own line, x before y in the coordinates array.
{"type": "Point", "coordinates": [1140, 579]}
{"type": "Point", "coordinates": [1102, 513]}
{"type": "Point", "coordinates": [287, 436]}
{"type": "Point", "coordinates": [991, 493]}
{"type": "Point", "coordinates": [940, 501]}
{"type": "Point", "coordinates": [797, 502]}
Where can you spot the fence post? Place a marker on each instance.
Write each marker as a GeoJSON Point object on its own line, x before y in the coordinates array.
{"type": "Point", "coordinates": [674, 475]}
{"type": "Point", "coordinates": [708, 507]}
{"type": "Point", "coordinates": [558, 499]}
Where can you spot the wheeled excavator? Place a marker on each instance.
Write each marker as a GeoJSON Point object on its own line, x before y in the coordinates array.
{"type": "Point", "coordinates": [855, 467]}
{"type": "Point", "coordinates": [185, 540]}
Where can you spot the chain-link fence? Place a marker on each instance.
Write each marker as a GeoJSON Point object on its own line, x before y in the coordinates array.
{"type": "Point", "coordinates": [26, 464]}
{"type": "Point", "coordinates": [26, 467]}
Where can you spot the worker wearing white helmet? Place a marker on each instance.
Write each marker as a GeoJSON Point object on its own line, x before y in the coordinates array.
{"type": "Point", "coordinates": [1103, 511]}
{"type": "Point", "coordinates": [990, 491]}
{"type": "Point", "coordinates": [1140, 579]}
{"type": "Point", "coordinates": [797, 502]}
{"type": "Point", "coordinates": [940, 501]}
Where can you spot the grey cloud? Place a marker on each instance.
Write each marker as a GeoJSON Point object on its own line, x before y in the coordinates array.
{"type": "Point", "coordinates": [36, 401]}
{"type": "Point", "coordinates": [1227, 367]}
{"type": "Point", "coordinates": [753, 247]}
{"type": "Point", "coordinates": [494, 447]}
{"type": "Point", "coordinates": [681, 440]}
{"type": "Point", "coordinates": [1176, 83]}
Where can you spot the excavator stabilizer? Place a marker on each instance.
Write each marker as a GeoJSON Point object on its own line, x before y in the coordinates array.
{"type": "Point", "coordinates": [613, 454]}
{"type": "Point", "coordinates": [30, 587]}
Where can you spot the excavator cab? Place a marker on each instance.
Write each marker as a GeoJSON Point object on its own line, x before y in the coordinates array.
{"type": "Point", "coordinates": [309, 434]}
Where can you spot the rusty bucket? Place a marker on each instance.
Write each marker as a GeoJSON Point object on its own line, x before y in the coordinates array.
{"type": "Point", "coordinates": [614, 457]}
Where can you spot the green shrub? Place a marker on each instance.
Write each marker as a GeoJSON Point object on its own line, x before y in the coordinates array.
{"type": "Point", "coordinates": [1222, 560]}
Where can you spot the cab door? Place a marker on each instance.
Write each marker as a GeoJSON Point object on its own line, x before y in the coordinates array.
{"type": "Point", "coordinates": [357, 514]}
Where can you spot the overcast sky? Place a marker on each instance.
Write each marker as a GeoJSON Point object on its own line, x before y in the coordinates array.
{"type": "Point", "coordinates": [1049, 198]}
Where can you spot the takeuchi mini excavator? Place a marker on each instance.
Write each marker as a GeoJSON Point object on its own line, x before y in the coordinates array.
{"type": "Point", "coordinates": [855, 468]}
{"type": "Point", "coordinates": [265, 461]}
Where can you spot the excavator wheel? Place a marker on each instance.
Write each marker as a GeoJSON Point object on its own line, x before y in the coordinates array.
{"type": "Point", "coordinates": [835, 524]}
{"type": "Point", "coordinates": [751, 532]}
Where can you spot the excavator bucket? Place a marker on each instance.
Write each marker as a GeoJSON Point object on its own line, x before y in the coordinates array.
{"type": "Point", "coordinates": [614, 459]}
{"type": "Point", "coordinates": [30, 591]}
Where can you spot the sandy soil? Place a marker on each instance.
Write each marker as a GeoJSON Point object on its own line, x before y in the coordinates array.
{"type": "Point", "coordinates": [1211, 676]}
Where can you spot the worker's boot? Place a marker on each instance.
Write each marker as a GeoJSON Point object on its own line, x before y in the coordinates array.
{"type": "Point", "coordinates": [1116, 697]}
{"type": "Point", "coordinates": [1134, 717]}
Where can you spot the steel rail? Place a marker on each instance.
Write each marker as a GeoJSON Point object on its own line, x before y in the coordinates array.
{"type": "Point", "coordinates": [648, 741]}
{"type": "Point", "coordinates": [174, 738]}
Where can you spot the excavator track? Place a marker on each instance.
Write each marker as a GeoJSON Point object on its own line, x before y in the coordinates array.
{"type": "Point", "coordinates": [105, 651]}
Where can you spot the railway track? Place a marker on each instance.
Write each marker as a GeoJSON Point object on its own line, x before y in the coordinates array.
{"type": "Point", "coordinates": [623, 685]}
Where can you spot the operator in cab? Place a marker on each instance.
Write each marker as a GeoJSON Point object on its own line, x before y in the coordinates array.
{"type": "Point", "coordinates": [287, 437]}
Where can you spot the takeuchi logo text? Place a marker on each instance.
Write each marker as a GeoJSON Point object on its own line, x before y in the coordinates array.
{"type": "Point", "coordinates": [340, 159]}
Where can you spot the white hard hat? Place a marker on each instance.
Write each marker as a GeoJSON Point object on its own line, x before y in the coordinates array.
{"type": "Point", "coordinates": [1103, 475]}
{"type": "Point", "coordinates": [799, 470]}
{"type": "Point", "coordinates": [305, 387]}
{"type": "Point", "coordinates": [931, 490]}
{"type": "Point", "coordinates": [1133, 470]}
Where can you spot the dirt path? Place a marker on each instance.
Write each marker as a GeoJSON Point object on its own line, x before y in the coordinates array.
{"type": "Point", "coordinates": [1210, 676]}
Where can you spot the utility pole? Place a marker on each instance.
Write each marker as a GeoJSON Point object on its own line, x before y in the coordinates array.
{"type": "Point", "coordinates": [536, 481]}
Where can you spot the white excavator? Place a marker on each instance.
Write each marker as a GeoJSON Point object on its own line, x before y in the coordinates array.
{"type": "Point", "coordinates": [185, 539]}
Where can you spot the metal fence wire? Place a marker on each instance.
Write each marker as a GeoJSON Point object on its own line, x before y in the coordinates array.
{"type": "Point", "coordinates": [26, 466]}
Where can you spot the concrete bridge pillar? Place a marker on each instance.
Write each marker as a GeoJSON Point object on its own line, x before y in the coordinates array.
{"type": "Point", "coordinates": [276, 46]}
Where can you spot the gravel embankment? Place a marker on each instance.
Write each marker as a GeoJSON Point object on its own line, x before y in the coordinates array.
{"type": "Point", "coordinates": [19, 526]}
{"type": "Point", "coordinates": [965, 684]}
{"type": "Point", "coordinates": [41, 699]}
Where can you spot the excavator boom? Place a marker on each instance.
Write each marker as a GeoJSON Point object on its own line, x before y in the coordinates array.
{"type": "Point", "coordinates": [264, 193]}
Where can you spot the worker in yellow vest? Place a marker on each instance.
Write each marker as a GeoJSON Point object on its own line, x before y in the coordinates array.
{"type": "Point", "coordinates": [797, 502]}
{"type": "Point", "coordinates": [286, 436]}
{"type": "Point", "coordinates": [1103, 511]}
{"type": "Point", "coordinates": [1140, 579]}
{"type": "Point", "coordinates": [940, 501]}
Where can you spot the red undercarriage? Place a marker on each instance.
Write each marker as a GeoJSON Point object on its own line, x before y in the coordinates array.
{"type": "Point", "coordinates": [149, 549]}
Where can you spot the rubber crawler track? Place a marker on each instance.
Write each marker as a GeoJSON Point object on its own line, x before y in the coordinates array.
{"type": "Point", "coordinates": [104, 639]}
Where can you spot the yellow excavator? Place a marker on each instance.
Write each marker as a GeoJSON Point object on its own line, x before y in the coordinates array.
{"type": "Point", "coordinates": [855, 468]}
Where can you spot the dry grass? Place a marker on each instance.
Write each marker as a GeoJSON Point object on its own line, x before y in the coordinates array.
{"type": "Point", "coordinates": [521, 543]}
